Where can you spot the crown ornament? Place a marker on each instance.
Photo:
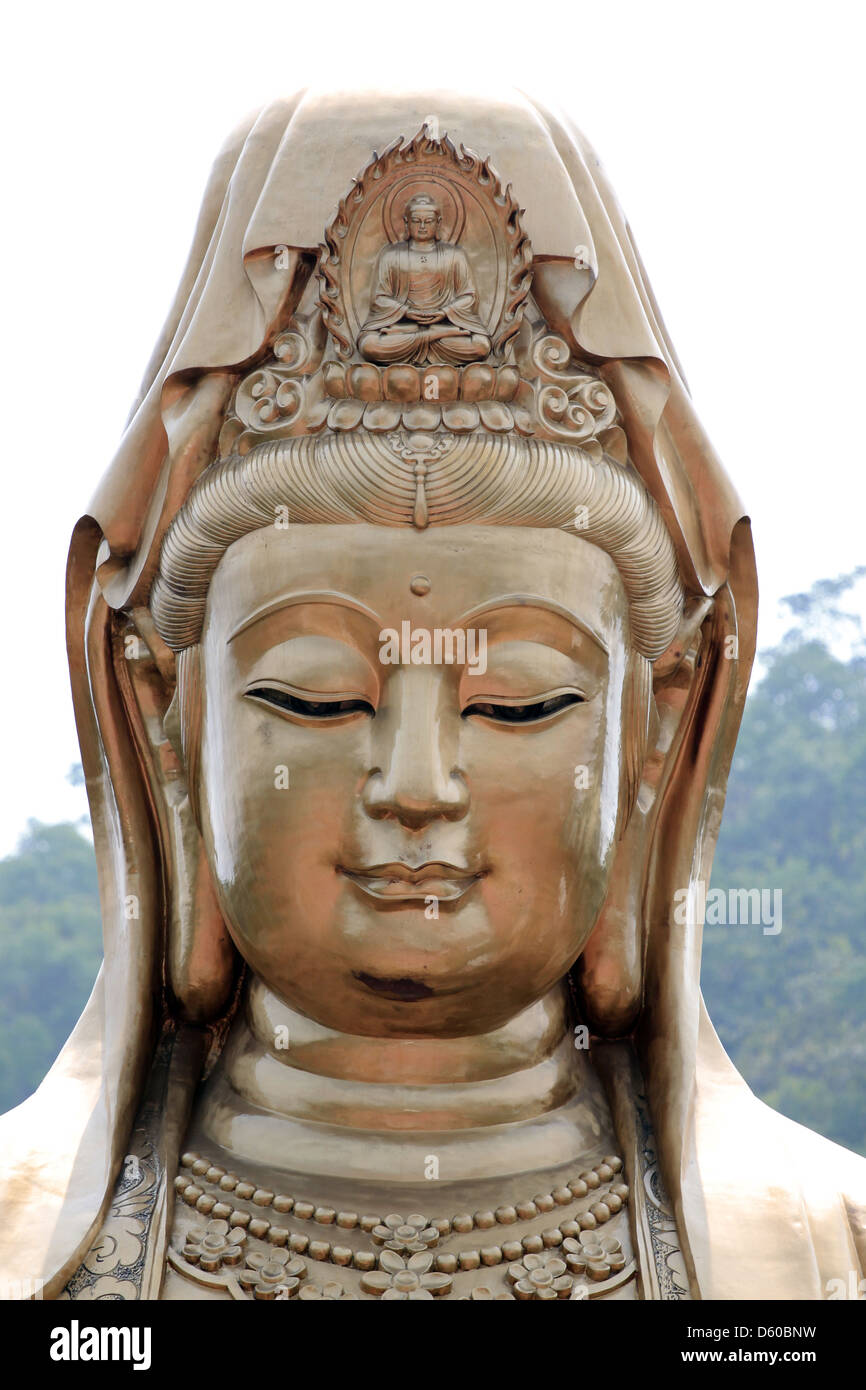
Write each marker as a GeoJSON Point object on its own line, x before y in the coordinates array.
{"type": "Point", "coordinates": [420, 318]}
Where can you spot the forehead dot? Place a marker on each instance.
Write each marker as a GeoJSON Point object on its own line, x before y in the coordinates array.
{"type": "Point", "coordinates": [419, 584]}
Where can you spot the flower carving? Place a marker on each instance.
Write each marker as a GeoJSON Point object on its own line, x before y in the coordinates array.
{"type": "Point", "coordinates": [214, 1245]}
{"type": "Point", "coordinates": [330, 1292]}
{"type": "Point", "coordinates": [275, 1275]}
{"type": "Point", "coordinates": [540, 1277]}
{"type": "Point", "coordinates": [406, 1278]}
{"type": "Point", "coordinates": [593, 1256]}
{"type": "Point", "coordinates": [410, 1235]}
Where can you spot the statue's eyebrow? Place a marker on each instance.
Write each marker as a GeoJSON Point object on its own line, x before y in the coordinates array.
{"type": "Point", "coordinates": [534, 601]}
{"type": "Point", "coordinates": [289, 600]}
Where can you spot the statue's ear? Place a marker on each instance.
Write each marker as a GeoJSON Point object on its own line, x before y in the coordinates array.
{"type": "Point", "coordinates": [163, 700]}
{"type": "Point", "coordinates": [657, 711]}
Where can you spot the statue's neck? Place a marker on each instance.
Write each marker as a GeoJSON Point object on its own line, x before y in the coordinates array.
{"type": "Point", "coordinates": [519, 1099]}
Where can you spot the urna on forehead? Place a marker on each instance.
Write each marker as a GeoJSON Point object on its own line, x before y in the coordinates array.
{"type": "Point", "coordinates": [469, 573]}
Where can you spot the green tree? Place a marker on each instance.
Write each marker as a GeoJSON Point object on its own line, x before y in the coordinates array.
{"type": "Point", "coordinates": [50, 946]}
{"type": "Point", "coordinates": [790, 1008]}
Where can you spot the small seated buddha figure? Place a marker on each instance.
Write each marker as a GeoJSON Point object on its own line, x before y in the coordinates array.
{"type": "Point", "coordinates": [424, 302]}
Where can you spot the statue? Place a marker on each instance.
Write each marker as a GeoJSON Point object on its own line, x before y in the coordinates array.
{"type": "Point", "coordinates": [409, 636]}
{"type": "Point", "coordinates": [424, 300]}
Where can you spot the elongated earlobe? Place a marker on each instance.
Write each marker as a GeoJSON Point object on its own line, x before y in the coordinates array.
{"type": "Point", "coordinates": [609, 974]}
{"type": "Point", "coordinates": [200, 959]}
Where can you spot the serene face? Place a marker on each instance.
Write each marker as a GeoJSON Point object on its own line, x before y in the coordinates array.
{"type": "Point", "coordinates": [403, 844]}
{"type": "Point", "coordinates": [423, 222]}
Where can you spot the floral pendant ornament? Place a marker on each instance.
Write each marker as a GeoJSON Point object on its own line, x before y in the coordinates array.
{"type": "Point", "coordinates": [331, 1292]}
{"type": "Point", "coordinates": [213, 1246]}
{"type": "Point", "coordinates": [402, 1278]}
{"type": "Point", "coordinates": [410, 1235]}
{"type": "Point", "coordinates": [540, 1277]}
{"type": "Point", "coordinates": [274, 1275]}
{"type": "Point", "coordinates": [252, 1256]}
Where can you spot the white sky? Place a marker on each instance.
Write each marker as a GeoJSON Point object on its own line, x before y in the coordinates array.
{"type": "Point", "coordinates": [733, 134]}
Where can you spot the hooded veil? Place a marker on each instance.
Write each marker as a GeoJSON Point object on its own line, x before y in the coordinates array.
{"type": "Point", "coordinates": [763, 1207]}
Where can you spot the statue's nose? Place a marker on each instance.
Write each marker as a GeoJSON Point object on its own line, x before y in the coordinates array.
{"type": "Point", "coordinates": [416, 778]}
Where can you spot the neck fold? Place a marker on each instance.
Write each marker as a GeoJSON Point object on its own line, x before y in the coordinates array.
{"type": "Point", "coordinates": [517, 1099]}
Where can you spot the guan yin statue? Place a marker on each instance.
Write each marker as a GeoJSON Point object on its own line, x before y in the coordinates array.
{"type": "Point", "coordinates": [409, 633]}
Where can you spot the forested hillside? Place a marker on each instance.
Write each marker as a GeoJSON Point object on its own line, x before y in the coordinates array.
{"type": "Point", "coordinates": [50, 950]}
{"type": "Point", "coordinates": [790, 1008]}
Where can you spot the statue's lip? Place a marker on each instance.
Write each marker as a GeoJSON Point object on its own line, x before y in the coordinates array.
{"type": "Point", "coordinates": [404, 989]}
{"type": "Point", "coordinates": [436, 879]}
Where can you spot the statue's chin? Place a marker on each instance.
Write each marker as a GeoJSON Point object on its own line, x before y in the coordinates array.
{"type": "Point", "coordinates": [385, 1002]}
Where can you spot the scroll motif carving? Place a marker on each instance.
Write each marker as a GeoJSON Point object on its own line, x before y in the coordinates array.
{"type": "Point", "coordinates": [284, 396]}
{"type": "Point", "coordinates": [572, 405]}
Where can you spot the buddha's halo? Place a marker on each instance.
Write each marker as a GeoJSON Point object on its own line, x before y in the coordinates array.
{"type": "Point", "coordinates": [480, 479]}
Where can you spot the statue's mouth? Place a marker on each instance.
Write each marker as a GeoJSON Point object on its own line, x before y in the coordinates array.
{"type": "Point", "coordinates": [444, 882]}
{"type": "Point", "coordinates": [405, 990]}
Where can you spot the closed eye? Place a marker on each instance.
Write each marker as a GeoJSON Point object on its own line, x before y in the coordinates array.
{"type": "Point", "coordinates": [309, 709]}
{"type": "Point", "coordinates": [529, 713]}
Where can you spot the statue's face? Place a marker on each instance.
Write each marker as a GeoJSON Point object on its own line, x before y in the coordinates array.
{"type": "Point", "coordinates": [423, 223]}
{"type": "Point", "coordinates": [412, 849]}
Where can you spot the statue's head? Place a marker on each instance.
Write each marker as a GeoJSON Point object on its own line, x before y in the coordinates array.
{"type": "Point", "coordinates": [422, 218]}
{"type": "Point", "coordinates": [398, 834]}
{"type": "Point", "coordinates": [397, 843]}
{"type": "Point", "coordinates": [414, 752]}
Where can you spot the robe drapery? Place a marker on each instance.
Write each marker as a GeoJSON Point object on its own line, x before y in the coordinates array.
{"type": "Point", "coordinates": [764, 1208]}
